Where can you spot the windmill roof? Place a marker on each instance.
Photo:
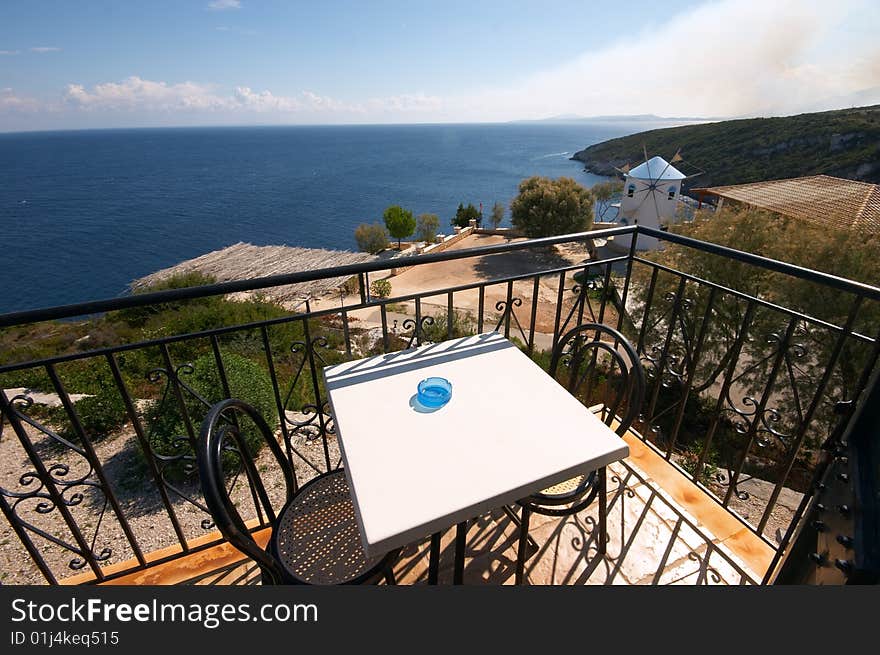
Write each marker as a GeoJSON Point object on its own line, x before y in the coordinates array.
{"type": "Point", "coordinates": [656, 168]}
{"type": "Point", "coordinates": [819, 199]}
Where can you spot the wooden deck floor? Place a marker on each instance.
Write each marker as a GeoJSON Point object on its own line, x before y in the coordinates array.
{"type": "Point", "coordinates": [662, 530]}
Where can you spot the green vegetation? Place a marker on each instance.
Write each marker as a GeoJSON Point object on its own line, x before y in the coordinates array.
{"type": "Point", "coordinates": [594, 282]}
{"type": "Point", "coordinates": [546, 207]}
{"type": "Point", "coordinates": [463, 325]}
{"type": "Point", "coordinates": [100, 416]}
{"type": "Point", "coordinates": [846, 254]}
{"type": "Point", "coordinates": [464, 215]}
{"type": "Point", "coordinates": [371, 238]}
{"type": "Point", "coordinates": [606, 193]}
{"type": "Point", "coordinates": [380, 288]}
{"type": "Point", "coordinates": [497, 215]}
{"type": "Point", "coordinates": [845, 143]}
{"type": "Point", "coordinates": [91, 375]}
{"type": "Point", "coordinates": [248, 381]}
{"type": "Point", "coordinates": [400, 222]}
{"type": "Point", "coordinates": [427, 226]}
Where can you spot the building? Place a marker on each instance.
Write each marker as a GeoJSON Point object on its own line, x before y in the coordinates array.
{"type": "Point", "coordinates": [823, 200]}
{"type": "Point", "coordinates": [650, 197]}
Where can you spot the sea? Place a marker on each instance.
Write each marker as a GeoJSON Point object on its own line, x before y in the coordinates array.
{"type": "Point", "coordinates": [84, 213]}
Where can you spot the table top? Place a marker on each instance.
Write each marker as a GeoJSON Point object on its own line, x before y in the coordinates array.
{"type": "Point", "coordinates": [509, 430]}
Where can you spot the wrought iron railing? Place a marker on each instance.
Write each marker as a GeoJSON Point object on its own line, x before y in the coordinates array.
{"type": "Point", "coordinates": [742, 389]}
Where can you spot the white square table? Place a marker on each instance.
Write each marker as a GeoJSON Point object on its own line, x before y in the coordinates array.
{"type": "Point", "coordinates": [508, 431]}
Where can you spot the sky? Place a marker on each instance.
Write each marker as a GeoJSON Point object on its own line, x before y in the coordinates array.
{"type": "Point", "coordinates": [69, 64]}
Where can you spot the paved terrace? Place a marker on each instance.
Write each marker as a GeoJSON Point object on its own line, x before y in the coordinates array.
{"type": "Point", "coordinates": [662, 530]}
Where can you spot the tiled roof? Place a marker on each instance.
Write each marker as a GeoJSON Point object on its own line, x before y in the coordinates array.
{"type": "Point", "coordinates": [820, 199]}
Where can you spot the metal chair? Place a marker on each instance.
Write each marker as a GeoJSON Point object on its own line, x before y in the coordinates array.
{"type": "Point", "coordinates": [314, 538]}
{"type": "Point", "coordinates": [604, 374]}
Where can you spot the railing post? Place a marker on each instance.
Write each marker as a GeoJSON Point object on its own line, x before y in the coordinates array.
{"type": "Point", "coordinates": [362, 287]}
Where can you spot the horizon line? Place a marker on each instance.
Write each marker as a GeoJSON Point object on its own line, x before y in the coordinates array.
{"type": "Point", "coordinates": [549, 120]}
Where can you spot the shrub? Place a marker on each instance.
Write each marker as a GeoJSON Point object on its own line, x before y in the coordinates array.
{"type": "Point", "coordinates": [380, 288]}
{"type": "Point", "coordinates": [463, 325]}
{"type": "Point", "coordinates": [30, 378]}
{"type": "Point", "coordinates": [99, 415]}
{"type": "Point", "coordinates": [137, 316]}
{"type": "Point", "coordinates": [371, 238]}
{"type": "Point", "coordinates": [427, 226]}
{"type": "Point", "coordinates": [101, 412]}
{"type": "Point", "coordinates": [350, 286]}
{"type": "Point", "coordinates": [248, 381]}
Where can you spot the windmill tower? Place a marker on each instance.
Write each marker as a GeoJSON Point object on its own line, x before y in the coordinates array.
{"type": "Point", "coordinates": [650, 196]}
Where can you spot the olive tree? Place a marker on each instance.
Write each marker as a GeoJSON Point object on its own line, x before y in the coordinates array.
{"type": "Point", "coordinates": [547, 207]}
{"type": "Point", "coordinates": [371, 238]}
{"type": "Point", "coordinates": [427, 226]}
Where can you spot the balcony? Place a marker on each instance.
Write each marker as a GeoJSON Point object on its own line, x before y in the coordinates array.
{"type": "Point", "coordinates": [748, 400]}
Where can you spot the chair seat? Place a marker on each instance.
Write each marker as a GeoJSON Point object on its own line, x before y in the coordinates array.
{"type": "Point", "coordinates": [565, 488]}
{"type": "Point", "coordinates": [571, 493]}
{"type": "Point", "coordinates": [317, 539]}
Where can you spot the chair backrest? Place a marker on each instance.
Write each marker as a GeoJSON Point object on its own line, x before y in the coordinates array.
{"type": "Point", "coordinates": [223, 454]}
{"type": "Point", "coordinates": [596, 363]}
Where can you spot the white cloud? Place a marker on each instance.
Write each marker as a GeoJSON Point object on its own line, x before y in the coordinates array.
{"type": "Point", "coordinates": [9, 53]}
{"type": "Point", "coordinates": [10, 101]}
{"type": "Point", "coordinates": [221, 5]}
{"type": "Point", "coordinates": [722, 58]}
{"type": "Point", "coordinates": [137, 93]}
{"type": "Point", "coordinates": [407, 103]}
{"type": "Point", "coordinates": [264, 101]}
{"type": "Point", "coordinates": [44, 49]}
{"type": "Point", "coordinates": [725, 58]}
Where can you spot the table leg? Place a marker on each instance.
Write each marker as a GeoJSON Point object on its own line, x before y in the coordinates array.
{"type": "Point", "coordinates": [521, 548]}
{"type": "Point", "coordinates": [434, 559]}
{"type": "Point", "coordinates": [603, 512]}
{"type": "Point", "coordinates": [460, 542]}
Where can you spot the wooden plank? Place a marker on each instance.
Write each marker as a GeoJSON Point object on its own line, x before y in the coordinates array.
{"type": "Point", "coordinates": [179, 569]}
{"type": "Point", "coordinates": [715, 519]}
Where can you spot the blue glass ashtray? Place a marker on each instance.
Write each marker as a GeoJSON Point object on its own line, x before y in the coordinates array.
{"type": "Point", "coordinates": [434, 392]}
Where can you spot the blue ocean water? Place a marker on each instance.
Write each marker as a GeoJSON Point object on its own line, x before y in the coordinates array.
{"type": "Point", "coordinates": [84, 213]}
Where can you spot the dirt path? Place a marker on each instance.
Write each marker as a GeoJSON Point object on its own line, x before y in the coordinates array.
{"type": "Point", "coordinates": [461, 272]}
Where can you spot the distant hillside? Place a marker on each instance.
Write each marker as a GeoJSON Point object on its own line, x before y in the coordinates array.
{"type": "Point", "coordinates": [845, 143]}
{"type": "Point", "coordinates": [622, 118]}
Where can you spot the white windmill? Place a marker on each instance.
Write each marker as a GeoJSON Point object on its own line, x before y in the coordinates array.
{"type": "Point", "coordinates": [650, 196]}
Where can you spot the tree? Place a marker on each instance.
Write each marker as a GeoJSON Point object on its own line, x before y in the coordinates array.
{"type": "Point", "coordinates": [807, 354]}
{"type": "Point", "coordinates": [427, 226]}
{"type": "Point", "coordinates": [605, 193]}
{"type": "Point", "coordinates": [464, 215]}
{"type": "Point", "coordinates": [400, 222]}
{"type": "Point", "coordinates": [497, 215]}
{"type": "Point", "coordinates": [371, 238]}
{"type": "Point", "coordinates": [546, 207]}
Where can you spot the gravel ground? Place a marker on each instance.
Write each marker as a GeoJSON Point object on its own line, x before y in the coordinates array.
{"type": "Point", "coordinates": [138, 497]}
